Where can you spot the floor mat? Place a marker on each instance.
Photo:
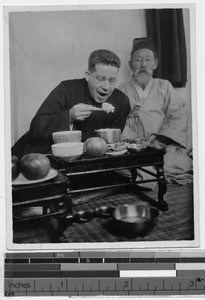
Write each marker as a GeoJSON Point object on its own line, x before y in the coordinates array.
{"type": "Point", "coordinates": [175, 224]}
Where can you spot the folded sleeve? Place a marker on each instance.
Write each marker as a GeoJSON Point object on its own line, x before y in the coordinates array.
{"type": "Point", "coordinates": [175, 124]}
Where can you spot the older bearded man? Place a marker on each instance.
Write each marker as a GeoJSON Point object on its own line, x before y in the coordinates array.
{"type": "Point", "coordinates": [156, 108]}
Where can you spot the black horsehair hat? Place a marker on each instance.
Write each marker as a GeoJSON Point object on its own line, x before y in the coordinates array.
{"type": "Point", "coordinates": [143, 43]}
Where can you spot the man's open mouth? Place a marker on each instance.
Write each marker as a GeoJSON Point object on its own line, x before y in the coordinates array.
{"type": "Point", "coordinates": [102, 94]}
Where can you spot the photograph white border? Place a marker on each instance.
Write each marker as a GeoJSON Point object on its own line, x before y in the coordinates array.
{"type": "Point", "coordinates": [117, 245]}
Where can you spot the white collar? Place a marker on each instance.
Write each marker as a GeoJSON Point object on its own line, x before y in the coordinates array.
{"type": "Point", "coordinates": [142, 93]}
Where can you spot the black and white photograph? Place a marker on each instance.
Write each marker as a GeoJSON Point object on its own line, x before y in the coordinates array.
{"type": "Point", "coordinates": [101, 135]}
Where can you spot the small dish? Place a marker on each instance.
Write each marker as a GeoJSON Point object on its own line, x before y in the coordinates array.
{"type": "Point", "coordinates": [28, 212]}
{"type": "Point", "coordinates": [133, 148]}
{"type": "Point", "coordinates": [21, 180]}
{"type": "Point", "coordinates": [116, 153]}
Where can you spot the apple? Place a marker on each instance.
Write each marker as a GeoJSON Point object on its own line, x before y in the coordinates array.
{"type": "Point", "coordinates": [34, 166]}
{"type": "Point", "coordinates": [95, 147]}
{"type": "Point", "coordinates": [15, 168]}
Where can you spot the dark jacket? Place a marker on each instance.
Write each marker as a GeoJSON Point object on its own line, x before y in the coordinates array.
{"type": "Point", "coordinates": [53, 115]}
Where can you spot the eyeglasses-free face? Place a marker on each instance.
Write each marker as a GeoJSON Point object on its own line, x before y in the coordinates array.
{"type": "Point", "coordinates": [102, 82]}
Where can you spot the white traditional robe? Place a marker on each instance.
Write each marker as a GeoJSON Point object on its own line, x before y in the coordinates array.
{"type": "Point", "coordinates": [160, 109]}
{"type": "Point", "coordinates": [156, 109]}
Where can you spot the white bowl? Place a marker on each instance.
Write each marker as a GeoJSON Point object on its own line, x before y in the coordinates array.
{"type": "Point", "coordinates": [67, 151]}
{"type": "Point", "coordinates": [28, 212]}
{"type": "Point", "coordinates": [67, 136]}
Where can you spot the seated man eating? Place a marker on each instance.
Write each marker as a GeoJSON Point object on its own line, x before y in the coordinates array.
{"type": "Point", "coordinates": [83, 104]}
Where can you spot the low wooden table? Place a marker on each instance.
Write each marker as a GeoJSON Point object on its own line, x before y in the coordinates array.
{"type": "Point", "coordinates": [84, 174]}
{"type": "Point", "coordinates": [52, 196]}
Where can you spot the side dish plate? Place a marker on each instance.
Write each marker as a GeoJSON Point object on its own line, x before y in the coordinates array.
{"type": "Point", "coordinates": [21, 180]}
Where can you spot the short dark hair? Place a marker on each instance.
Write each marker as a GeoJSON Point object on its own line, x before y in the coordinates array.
{"type": "Point", "coordinates": [105, 57]}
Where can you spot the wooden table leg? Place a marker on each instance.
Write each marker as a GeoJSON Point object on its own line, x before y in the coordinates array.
{"type": "Point", "coordinates": [134, 174]}
{"type": "Point", "coordinates": [162, 188]}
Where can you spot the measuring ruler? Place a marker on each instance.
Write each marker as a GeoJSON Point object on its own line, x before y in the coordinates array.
{"type": "Point", "coordinates": [104, 273]}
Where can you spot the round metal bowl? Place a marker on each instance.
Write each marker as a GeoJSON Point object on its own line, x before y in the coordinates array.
{"type": "Point", "coordinates": [110, 135]}
{"type": "Point", "coordinates": [135, 220]}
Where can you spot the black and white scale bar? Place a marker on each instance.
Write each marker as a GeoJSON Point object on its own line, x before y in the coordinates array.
{"type": "Point", "coordinates": [104, 273]}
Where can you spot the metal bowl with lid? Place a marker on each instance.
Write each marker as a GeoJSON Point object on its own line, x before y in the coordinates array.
{"type": "Point", "coordinates": [110, 135]}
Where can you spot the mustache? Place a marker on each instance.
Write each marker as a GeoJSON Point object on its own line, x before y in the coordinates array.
{"type": "Point", "coordinates": [143, 71]}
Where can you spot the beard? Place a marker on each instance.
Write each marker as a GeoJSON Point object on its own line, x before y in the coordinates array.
{"type": "Point", "coordinates": [143, 77]}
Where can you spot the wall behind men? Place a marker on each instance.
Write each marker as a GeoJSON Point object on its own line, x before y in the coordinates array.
{"type": "Point", "coordinates": [50, 46]}
{"type": "Point", "coordinates": [47, 47]}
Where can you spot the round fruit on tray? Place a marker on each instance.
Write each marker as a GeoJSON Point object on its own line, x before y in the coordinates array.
{"type": "Point", "coordinates": [95, 147]}
{"type": "Point", "coordinates": [34, 166]}
{"type": "Point", "coordinates": [15, 167]}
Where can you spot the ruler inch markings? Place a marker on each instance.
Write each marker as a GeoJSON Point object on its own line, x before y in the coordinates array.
{"type": "Point", "coordinates": [104, 273]}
